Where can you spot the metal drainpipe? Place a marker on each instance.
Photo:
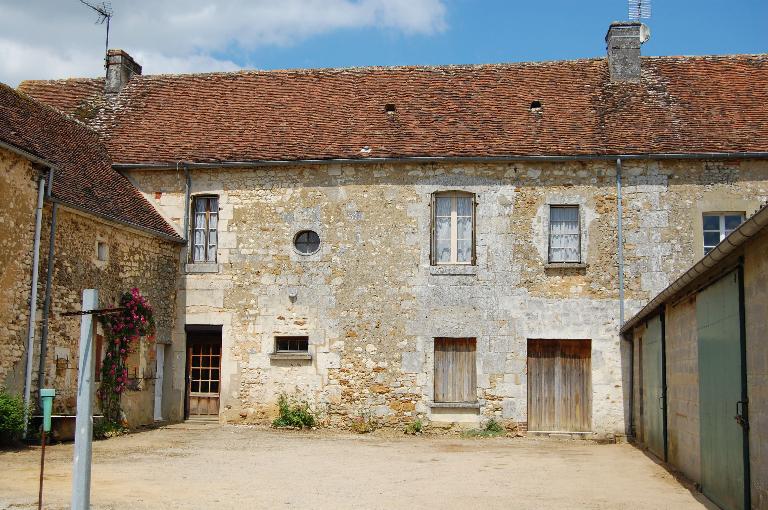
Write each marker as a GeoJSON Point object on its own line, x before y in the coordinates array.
{"type": "Point", "coordinates": [33, 302]}
{"type": "Point", "coordinates": [619, 213]}
{"type": "Point", "coordinates": [620, 256]}
{"type": "Point", "coordinates": [48, 284]}
{"type": "Point", "coordinates": [187, 194]}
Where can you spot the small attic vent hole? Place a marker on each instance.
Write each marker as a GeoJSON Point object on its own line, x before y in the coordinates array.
{"type": "Point", "coordinates": [390, 108]}
{"type": "Point", "coordinates": [535, 105]}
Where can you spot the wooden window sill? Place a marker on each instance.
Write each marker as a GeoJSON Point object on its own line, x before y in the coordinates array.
{"type": "Point", "coordinates": [456, 405]}
{"type": "Point", "coordinates": [290, 356]}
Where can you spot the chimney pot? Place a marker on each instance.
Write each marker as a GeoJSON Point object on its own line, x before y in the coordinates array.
{"type": "Point", "coordinates": [623, 42]}
{"type": "Point", "coordinates": [120, 69]}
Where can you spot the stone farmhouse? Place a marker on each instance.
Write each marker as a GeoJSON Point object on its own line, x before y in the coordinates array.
{"type": "Point", "coordinates": [450, 243]}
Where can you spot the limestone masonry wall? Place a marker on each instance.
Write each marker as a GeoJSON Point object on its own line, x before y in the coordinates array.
{"type": "Point", "coordinates": [18, 194]}
{"type": "Point", "coordinates": [372, 305]}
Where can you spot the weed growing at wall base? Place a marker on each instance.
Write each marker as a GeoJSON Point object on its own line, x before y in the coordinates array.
{"type": "Point", "coordinates": [294, 413]}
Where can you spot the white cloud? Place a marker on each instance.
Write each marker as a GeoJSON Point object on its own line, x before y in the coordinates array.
{"type": "Point", "coordinates": [58, 38]}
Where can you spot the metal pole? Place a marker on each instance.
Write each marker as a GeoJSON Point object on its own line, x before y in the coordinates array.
{"type": "Point", "coordinates": [47, 298]}
{"type": "Point", "coordinates": [33, 304]}
{"type": "Point", "coordinates": [42, 467]}
{"type": "Point", "coordinates": [81, 469]}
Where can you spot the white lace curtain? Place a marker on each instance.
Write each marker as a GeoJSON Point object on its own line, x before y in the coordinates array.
{"type": "Point", "coordinates": [564, 242]}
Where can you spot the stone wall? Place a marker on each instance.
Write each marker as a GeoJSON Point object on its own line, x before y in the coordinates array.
{"type": "Point", "coordinates": [372, 304]}
{"type": "Point", "coordinates": [134, 260]}
{"type": "Point", "coordinates": [18, 194]}
{"type": "Point", "coordinates": [756, 308]}
{"type": "Point", "coordinates": [683, 388]}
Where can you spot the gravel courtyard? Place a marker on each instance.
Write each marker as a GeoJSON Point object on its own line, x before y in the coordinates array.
{"type": "Point", "coordinates": [212, 466]}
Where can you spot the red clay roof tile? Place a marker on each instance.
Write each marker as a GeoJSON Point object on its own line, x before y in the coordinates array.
{"type": "Point", "coordinates": [682, 105]}
{"type": "Point", "coordinates": [84, 178]}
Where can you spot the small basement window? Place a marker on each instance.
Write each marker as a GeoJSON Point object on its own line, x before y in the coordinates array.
{"type": "Point", "coordinates": [289, 344]}
{"type": "Point", "coordinates": [102, 251]}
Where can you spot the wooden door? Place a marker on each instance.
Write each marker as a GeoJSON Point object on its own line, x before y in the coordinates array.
{"type": "Point", "coordinates": [559, 385]}
{"type": "Point", "coordinates": [654, 429]}
{"type": "Point", "coordinates": [722, 393]}
{"type": "Point", "coordinates": [203, 378]}
{"type": "Point", "coordinates": [455, 370]}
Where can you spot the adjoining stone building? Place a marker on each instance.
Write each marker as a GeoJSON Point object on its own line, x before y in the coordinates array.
{"type": "Point", "coordinates": [106, 236]}
{"type": "Point", "coordinates": [449, 243]}
{"type": "Point", "coordinates": [700, 370]}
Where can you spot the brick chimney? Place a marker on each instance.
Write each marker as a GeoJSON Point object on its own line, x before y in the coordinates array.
{"type": "Point", "coordinates": [623, 42]}
{"type": "Point", "coordinates": [120, 69]}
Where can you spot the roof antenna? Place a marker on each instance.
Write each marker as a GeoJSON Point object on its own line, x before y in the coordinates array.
{"type": "Point", "coordinates": [104, 10]}
{"type": "Point", "coordinates": [638, 9]}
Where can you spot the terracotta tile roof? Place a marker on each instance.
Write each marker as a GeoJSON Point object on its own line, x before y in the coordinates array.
{"type": "Point", "coordinates": [682, 105]}
{"type": "Point", "coordinates": [84, 178]}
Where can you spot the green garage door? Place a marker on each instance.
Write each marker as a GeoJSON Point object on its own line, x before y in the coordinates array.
{"type": "Point", "coordinates": [653, 387]}
{"type": "Point", "coordinates": [721, 391]}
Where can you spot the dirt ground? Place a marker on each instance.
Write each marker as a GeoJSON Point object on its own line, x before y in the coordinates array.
{"type": "Point", "coordinates": [213, 467]}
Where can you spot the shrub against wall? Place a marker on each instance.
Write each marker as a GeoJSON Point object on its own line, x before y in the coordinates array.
{"type": "Point", "coordinates": [123, 331]}
{"type": "Point", "coordinates": [11, 417]}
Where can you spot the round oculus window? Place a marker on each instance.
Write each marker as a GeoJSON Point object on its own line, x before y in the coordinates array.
{"type": "Point", "coordinates": [307, 242]}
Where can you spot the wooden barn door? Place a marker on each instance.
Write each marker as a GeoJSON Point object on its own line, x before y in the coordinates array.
{"type": "Point", "coordinates": [455, 370]}
{"type": "Point", "coordinates": [654, 431]}
{"type": "Point", "coordinates": [559, 385]}
{"type": "Point", "coordinates": [203, 374]}
{"type": "Point", "coordinates": [722, 394]}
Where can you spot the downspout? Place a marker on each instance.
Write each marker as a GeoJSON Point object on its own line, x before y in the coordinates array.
{"type": "Point", "coordinates": [620, 256]}
{"type": "Point", "coordinates": [48, 283]}
{"type": "Point", "coordinates": [187, 194]}
{"type": "Point", "coordinates": [33, 302]}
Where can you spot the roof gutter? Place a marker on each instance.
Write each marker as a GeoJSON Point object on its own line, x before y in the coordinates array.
{"type": "Point", "coordinates": [446, 159]}
{"type": "Point", "coordinates": [28, 155]}
{"type": "Point", "coordinates": [112, 219]}
{"type": "Point", "coordinates": [727, 246]}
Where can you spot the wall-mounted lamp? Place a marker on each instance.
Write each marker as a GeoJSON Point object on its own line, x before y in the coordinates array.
{"type": "Point", "coordinates": [293, 293]}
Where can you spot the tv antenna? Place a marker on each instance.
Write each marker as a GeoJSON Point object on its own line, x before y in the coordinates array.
{"type": "Point", "coordinates": [105, 12]}
{"type": "Point", "coordinates": [638, 9]}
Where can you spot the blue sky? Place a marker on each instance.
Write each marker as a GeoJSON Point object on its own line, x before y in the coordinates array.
{"type": "Point", "coordinates": [58, 38]}
{"type": "Point", "coordinates": [502, 31]}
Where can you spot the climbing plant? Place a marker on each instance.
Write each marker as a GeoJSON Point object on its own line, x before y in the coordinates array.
{"type": "Point", "coordinates": [122, 332]}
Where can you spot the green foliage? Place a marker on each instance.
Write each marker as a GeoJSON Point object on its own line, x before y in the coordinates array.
{"type": "Point", "coordinates": [104, 429]}
{"type": "Point", "coordinates": [492, 429]}
{"type": "Point", "coordinates": [11, 417]}
{"type": "Point", "coordinates": [415, 427]}
{"type": "Point", "coordinates": [294, 413]}
{"type": "Point", "coordinates": [363, 424]}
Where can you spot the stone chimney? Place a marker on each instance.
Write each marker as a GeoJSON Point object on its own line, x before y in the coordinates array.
{"type": "Point", "coordinates": [623, 41]}
{"type": "Point", "coordinates": [120, 69]}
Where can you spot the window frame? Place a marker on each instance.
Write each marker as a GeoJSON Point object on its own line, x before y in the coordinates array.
{"type": "Point", "coordinates": [722, 231]}
{"type": "Point", "coordinates": [206, 229]}
{"type": "Point", "coordinates": [290, 338]}
{"type": "Point", "coordinates": [454, 195]}
{"type": "Point", "coordinates": [549, 233]}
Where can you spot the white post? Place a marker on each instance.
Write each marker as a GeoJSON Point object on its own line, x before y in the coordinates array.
{"type": "Point", "coordinates": [160, 357]}
{"type": "Point", "coordinates": [81, 470]}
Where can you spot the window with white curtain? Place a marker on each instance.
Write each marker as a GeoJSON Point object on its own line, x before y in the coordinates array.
{"type": "Point", "coordinates": [564, 234]}
{"type": "Point", "coordinates": [204, 229]}
{"type": "Point", "coordinates": [453, 228]}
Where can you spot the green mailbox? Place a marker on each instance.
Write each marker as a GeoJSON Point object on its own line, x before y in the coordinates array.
{"type": "Point", "coordinates": [46, 395]}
